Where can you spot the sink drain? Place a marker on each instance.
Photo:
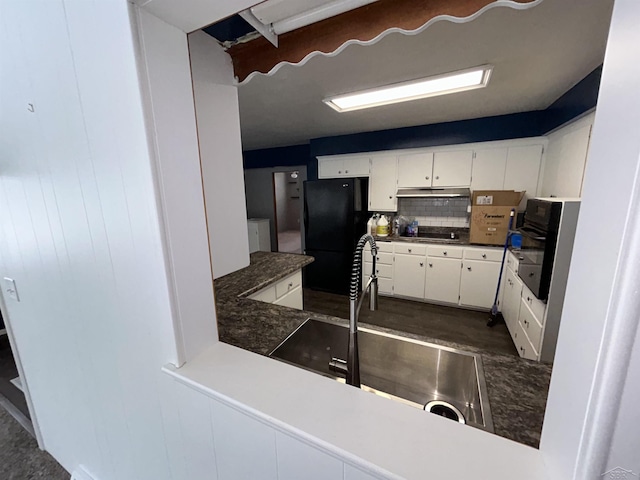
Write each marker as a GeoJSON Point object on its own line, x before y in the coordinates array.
{"type": "Point", "coordinates": [446, 410]}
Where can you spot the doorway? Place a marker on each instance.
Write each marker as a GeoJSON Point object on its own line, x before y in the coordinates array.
{"type": "Point", "coordinates": [287, 194]}
{"type": "Point", "coordinates": [12, 396]}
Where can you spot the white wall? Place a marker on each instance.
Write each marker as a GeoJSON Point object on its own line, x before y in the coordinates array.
{"type": "Point", "coordinates": [166, 82]}
{"type": "Point", "coordinates": [602, 306]}
{"type": "Point", "coordinates": [217, 112]}
{"type": "Point", "coordinates": [79, 232]}
{"type": "Point", "coordinates": [566, 158]}
{"type": "Point", "coordinates": [214, 440]}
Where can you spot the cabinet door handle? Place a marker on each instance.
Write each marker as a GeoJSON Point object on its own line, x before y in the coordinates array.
{"type": "Point", "coordinates": [291, 285]}
{"type": "Point", "coordinates": [426, 178]}
{"type": "Point", "coordinates": [339, 172]}
{"type": "Point", "coordinates": [469, 268]}
{"type": "Point", "coordinates": [529, 299]}
{"type": "Point", "coordinates": [346, 171]}
{"type": "Point", "coordinates": [390, 197]}
{"type": "Point", "coordinates": [409, 250]}
{"type": "Point", "coordinates": [444, 253]}
{"type": "Point", "coordinates": [484, 255]}
{"type": "Point", "coordinates": [377, 271]}
{"type": "Point", "coordinates": [438, 178]}
{"type": "Point", "coordinates": [421, 264]}
{"type": "Point", "coordinates": [431, 265]}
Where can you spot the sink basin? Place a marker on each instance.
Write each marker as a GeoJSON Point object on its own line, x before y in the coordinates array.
{"type": "Point", "coordinates": [402, 369]}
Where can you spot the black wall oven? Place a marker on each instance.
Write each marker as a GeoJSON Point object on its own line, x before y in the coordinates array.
{"type": "Point", "coordinates": [539, 240]}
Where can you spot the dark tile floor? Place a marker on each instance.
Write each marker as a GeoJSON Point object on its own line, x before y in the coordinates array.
{"type": "Point", "coordinates": [466, 327]}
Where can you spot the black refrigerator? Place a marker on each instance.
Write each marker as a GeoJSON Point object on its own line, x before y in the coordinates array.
{"type": "Point", "coordinates": [335, 217]}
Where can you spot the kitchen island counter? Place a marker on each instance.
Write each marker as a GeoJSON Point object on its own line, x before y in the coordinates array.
{"type": "Point", "coordinates": [517, 388]}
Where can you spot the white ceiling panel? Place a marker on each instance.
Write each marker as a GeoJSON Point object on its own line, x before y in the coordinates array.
{"type": "Point", "coordinates": [537, 54]}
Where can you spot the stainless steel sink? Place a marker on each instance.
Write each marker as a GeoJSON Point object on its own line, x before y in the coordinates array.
{"type": "Point", "coordinates": [406, 370]}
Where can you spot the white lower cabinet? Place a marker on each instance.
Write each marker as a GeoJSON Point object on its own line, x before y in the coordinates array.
{"type": "Point", "coordinates": [523, 313]}
{"type": "Point", "coordinates": [286, 292]}
{"type": "Point", "coordinates": [409, 275]}
{"type": "Point", "coordinates": [511, 298]}
{"type": "Point", "coordinates": [530, 324]}
{"type": "Point", "coordinates": [524, 347]}
{"type": "Point", "coordinates": [478, 283]}
{"type": "Point", "coordinates": [442, 279]}
{"type": "Point", "coordinates": [292, 299]}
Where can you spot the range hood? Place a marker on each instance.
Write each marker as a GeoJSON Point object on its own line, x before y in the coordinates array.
{"type": "Point", "coordinates": [433, 192]}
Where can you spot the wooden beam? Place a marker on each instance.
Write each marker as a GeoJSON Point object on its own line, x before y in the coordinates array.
{"type": "Point", "coordinates": [364, 24]}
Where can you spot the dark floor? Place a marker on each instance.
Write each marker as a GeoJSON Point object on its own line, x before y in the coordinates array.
{"type": "Point", "coordinates": [466, 327]}
{"type": "Point", "coordinates": [20, 457]}
{"type": "Point", "coordinates": [9, 371]}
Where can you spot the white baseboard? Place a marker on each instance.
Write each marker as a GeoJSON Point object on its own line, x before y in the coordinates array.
{"type": "Point", "coordinates": [81, 474]}
{"type": "Point", "coordinates": [17, 383]}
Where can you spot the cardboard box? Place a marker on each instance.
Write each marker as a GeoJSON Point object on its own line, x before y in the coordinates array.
{"type": "Point", "coordinates": [490, 212]}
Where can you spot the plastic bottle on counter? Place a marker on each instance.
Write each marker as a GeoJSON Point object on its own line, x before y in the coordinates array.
{"type": "Point", "coordinates": [382, 229]}
{"type": "Point", "coordinates": [372, 224]}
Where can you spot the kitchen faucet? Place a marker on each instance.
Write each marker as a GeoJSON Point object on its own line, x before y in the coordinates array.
{"type": "Point", "coordinates": [352, 369]}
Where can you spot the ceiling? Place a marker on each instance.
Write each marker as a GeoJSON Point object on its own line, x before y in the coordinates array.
{"type": "Point", "coordinates": [538, 54]}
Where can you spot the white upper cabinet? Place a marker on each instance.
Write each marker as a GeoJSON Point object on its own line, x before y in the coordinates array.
{"type": "Point", "coordinates": [452, 169]}
{"type": "Point", "coordinates": [357, 166]}
{"type": "Point", "coordinates": [343, 167]}
{"type": "Point", "coordinates": [330, 167]}
{"type": "Point", "coordinates": [489, 167]}
{"type": "Point", "coordinates": [415, 170]}
{"type": "Point", "coordinates": [566, 160]}
{"type": "Point", "coordinates": [383, 184]}
{"type": "Point", "coordinates": [523, 170]}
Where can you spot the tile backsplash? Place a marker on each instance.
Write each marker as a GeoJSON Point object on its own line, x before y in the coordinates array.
{"type": "Point", "coordinates": [445, 212]}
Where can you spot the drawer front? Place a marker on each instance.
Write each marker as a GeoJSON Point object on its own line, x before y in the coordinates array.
{"type": "Point", "coordinates": [524, 347]}
{"type": "Point", "coordinates": [289, 283]}
{"type": "Point", "coordinates": [489, 254]}
{"type": "Point", "coordinates": [265, 295]}
{"type": "Point", "coordinates": [410, 249]}
{"type": "Point", "coordinates": [444, 251]}
{"type": "Point", "coordinates": [538, 307]}
{"type": "Point", "coordinates": [513, 261]}
{"type": "Point", "coordinates": [382, 258]}
{"type": "Point", "coordinates": [382, 270]}
{"type": "Point", "coordinates": [530, 325]}
{"type": "Point", "coordinates": [385, 285]}
{"type": "Point", "coordinates": [386, 247]}
{"type": "Point", "coordinates": [292, 299]}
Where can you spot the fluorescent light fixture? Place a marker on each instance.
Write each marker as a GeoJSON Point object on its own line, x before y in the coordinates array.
{"type": "Point", "coordinates": [453, 82]}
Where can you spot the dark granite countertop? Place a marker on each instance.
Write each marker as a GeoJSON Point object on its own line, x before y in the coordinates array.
{"type": "Point", "coordinates": [517, 388]}
{"type": "Point", "coordinates": [431, 235]}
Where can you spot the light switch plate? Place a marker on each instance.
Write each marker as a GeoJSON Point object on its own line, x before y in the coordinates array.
{"type": "Point", "coordinates": [10, 288]}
